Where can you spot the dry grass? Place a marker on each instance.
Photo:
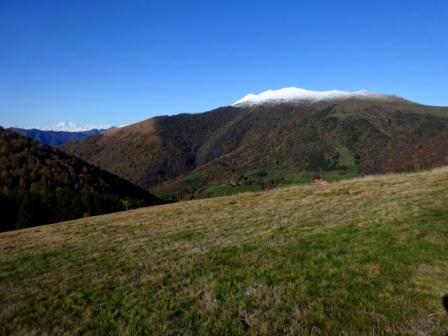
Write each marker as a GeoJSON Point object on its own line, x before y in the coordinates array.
{"type": "Point", "coordinates": [366, 256]}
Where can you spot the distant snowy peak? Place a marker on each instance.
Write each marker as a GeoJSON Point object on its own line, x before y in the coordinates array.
{"type": "Point", "coordinates": [69, 126]}
{"type": "Point", "coordinates": [293, 94]}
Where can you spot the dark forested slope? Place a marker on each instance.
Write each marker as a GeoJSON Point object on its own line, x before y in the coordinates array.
{"type": "Point", "coordinates": [39, 184]}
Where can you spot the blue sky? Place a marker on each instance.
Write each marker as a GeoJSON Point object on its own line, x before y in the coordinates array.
{"type": "Point", "coordinates": [117, 62]}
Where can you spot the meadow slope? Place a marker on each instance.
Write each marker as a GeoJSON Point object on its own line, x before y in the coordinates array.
{"type": "Point", "coordinates": [366, 256]}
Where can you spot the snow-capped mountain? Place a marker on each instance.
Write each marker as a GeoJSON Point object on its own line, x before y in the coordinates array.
{"type": "Point", "coordinates": [55, 138]}
{"type": "Point", "coordinates": [378, 133]}
{"type": "Point", "coordinates": [70, 126]}
{"type": "Point", "coordinates": [292, 94]}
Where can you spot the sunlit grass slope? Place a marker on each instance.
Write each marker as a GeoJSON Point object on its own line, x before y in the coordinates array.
{"type": "Point", "coordinates": [366, 256]}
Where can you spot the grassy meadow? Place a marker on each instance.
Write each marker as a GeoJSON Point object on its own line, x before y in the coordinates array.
{"type": "Point", "coordinates": [366, 256]}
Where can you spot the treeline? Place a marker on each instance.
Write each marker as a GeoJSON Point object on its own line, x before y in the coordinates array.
{"type": "Point", "coordinates": [42, 185]}
{"type": "Point", "coordinates": [25, 209]}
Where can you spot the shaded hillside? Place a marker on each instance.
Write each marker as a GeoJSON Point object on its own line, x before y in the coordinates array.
{"type": "Point", "coordinates": [40, 185]}
{"type": "Point", "coordinates": [361, 257]}
{"type": "Point", "coordinates": [55, 138]}
{"type": "Point", "coordinates": [154, 150]}
{"type": "Point", "coordinates": [265, 145]}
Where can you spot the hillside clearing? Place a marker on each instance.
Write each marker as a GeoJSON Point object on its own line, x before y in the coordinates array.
{"type": "Point", "coordinates": [366, 256]}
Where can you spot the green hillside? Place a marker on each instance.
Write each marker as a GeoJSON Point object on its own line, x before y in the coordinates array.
{"type": "Point", "coordinates": [239, 148]}
{"type": "Point", "coordinates": [366, 256]}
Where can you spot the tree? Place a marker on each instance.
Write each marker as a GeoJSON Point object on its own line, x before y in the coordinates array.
{"type": "Point", "coordinates": [8, 211]}
{"type": "Point", "coordinates": [28, 214]}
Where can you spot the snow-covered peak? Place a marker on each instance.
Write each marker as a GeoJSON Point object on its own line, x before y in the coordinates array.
{"type": "Point", "coordinates": [292, 94]}
{"type": "Point", "coordinates": [70, 126]}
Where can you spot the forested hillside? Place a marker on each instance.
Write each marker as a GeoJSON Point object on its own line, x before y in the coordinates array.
{"type": "Point", "coordinates": [255, 147]}
{"type": "Point", "coordinates": [40, 185]}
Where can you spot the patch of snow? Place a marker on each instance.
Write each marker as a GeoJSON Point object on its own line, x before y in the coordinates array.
{"type": "Point", "coordinates": [292, 94]}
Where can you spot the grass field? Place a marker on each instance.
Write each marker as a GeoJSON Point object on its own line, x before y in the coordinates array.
{"type": "Point", "coordinates": [366, 256]}
{"type": "Point", "coordinates": [226, 190]}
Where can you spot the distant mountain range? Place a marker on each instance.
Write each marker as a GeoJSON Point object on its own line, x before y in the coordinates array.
{"type": "Point", "coordinates": [275, 138]}
{"type": "Point", "coordinates": [41, 185]}
{"type": "Point", "coordinates": [55, 138]}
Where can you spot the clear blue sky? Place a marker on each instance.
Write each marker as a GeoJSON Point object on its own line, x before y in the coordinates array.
{"type": "Point", "coordinates": [116, 62]}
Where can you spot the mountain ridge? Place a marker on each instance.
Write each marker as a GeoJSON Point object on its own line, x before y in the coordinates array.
{"type": "Point", "coordinates": [265, 145]}
{"type": "Point", "coordinates": [56, 138]}
{"type": "Point", "coordinates": [293, 94]}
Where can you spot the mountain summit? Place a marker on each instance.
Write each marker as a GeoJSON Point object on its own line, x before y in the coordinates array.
{"type": "Point", "coordinates": [255, 145]}
{"type": "Point", "coordinates": [293, 94]}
